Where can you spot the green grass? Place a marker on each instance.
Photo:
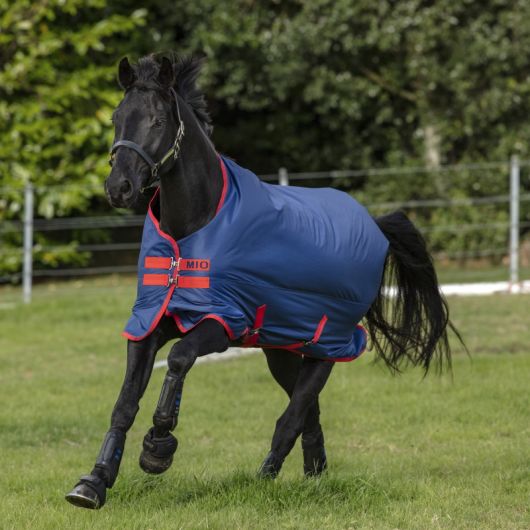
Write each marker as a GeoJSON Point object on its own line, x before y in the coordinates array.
{"type": "Point", "coordinates": [404, 452]}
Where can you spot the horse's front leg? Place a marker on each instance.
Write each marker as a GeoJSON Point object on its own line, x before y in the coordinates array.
{"type": "Point", "coordinates": [311, 379]}
{"type": "Point", "coordinates": [90, 491]}
{"type": "Point", "coordinates": [159, 444]}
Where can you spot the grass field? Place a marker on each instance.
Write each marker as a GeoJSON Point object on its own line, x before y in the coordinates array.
{"type": "Point", "coordinates": [403, 452]}
{"type": "Point", "coordinates": [478, 273]}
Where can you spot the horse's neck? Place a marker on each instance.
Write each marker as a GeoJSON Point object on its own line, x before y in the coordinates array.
{"type": "Point", "coordinates": [190, 192]}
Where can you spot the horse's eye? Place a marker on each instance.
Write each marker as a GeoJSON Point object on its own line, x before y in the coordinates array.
{"type": "Point", "coordinates": [157, 122]}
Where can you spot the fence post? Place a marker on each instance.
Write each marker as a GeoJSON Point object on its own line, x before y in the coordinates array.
{"type": "Point", "coordinates": [27, 271]}
{"type": "Point", "coordinates": [514, 222]}
{"type": "Point", "coordinates": [283, 177]}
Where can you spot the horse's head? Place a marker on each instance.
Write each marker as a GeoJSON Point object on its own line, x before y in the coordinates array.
{"type": "Point", "coordinates": [148, 131]}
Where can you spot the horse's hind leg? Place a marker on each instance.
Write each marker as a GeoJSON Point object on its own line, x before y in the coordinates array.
{"type": "Point", "coordinates": [90, 491]}
{"type": "Point", "coordinates": [302, 380]}
{"type": "Point", "coordinates": [284, 367]}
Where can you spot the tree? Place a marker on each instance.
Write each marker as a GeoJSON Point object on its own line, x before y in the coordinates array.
{"type": "Point", "coordinates": [57, 92]}
{"type": "Point", "coordinates": [310, 85]}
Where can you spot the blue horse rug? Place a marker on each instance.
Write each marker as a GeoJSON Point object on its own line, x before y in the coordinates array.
{"type": "Point", "coordinates": [280, 267]}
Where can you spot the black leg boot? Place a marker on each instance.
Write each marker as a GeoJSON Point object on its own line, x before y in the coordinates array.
{"type": "Point", "coordinates": [91, 490]}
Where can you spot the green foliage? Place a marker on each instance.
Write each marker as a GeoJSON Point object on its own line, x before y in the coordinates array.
{"type": "Point", "coordinates": [310, 85]}
{"type": "Point", "coordinates": [57, 92]}
{"type": "Point", "coordinates": [57, 97]}
{"type": "Point", "coordinates": [356, 84]}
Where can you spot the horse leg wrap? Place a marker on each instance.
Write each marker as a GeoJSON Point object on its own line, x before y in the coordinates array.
{"type": "Point", "coordinates": [109, 458]}
{"type": "Point", "coordinates": [315, 461]}
{"type": "Point", "coordinates": [159, 444]}
{"type": "Point", "coordinates": [160, 447]}
{"type": "Point", "coordinates": [157, 454]}
{"type": "Point", "coordinates": [167, 409]}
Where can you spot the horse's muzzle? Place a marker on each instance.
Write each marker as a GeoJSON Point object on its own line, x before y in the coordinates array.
{"type": "Point", "coordinates": [120, 192]}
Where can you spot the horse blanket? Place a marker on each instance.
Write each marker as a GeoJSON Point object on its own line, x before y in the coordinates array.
{"type": "Point", "coordinates": [282, 267]}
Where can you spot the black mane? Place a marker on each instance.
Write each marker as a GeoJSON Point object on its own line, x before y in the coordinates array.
{"type": "Point", "coordinates": [187, 69]}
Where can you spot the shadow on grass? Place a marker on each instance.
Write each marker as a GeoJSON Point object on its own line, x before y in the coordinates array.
{"type": "Point", "coordinates": [242, 488]}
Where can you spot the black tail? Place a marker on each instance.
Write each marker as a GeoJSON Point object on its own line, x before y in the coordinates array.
{"type": "Point", "coordinates": [410, 325]}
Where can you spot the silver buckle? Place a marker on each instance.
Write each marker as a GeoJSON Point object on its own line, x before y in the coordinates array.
{"type": "Point", "coordinates": [172, 280]}
{"type": "Point", "coordinates": [173, 264]}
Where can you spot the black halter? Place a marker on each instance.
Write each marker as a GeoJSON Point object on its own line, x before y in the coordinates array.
{"type": "Point", "coordinates": [155, 166]}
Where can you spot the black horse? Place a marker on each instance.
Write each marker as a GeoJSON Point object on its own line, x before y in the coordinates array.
{"type": "Point", "coordinates": [163, 117]}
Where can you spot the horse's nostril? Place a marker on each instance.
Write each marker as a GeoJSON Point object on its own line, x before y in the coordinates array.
{"type": "Point", "coordinates": [126, 188]}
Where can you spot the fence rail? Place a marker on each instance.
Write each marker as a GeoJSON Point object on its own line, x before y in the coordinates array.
{"type": "Point", "coordinates": [513, 199]}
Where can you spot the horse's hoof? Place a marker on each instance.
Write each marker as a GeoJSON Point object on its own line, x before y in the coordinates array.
{"type": "Point", "coordinates": [270, 467]}
{"type": "Point", "coordinates": [157, 455]}
{"type": "Point", "coordinates": [90, 492]}
{"type": "Point", "coordinates": [153, 465]}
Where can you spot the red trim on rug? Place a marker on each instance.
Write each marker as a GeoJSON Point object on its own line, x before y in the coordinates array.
{"type": "Point", "coordinates": [225, 186]}
{"type": "Point", "coordinates": [155, 321]}
{"type": "Point", "coordinates": [294, 348]}
{"type": "Point", "coordinates": [301, 344]}
{"type": "Point", "coordinates": [212, 316]}
{"type": "Point", "coordinates": [349, 359]}
{"type": "Point", "coordinates": [218, 209]}
{"type": "Point", "coordinates": [328, 359]}
{"type": "Point", "coordinates": [176, 250]}
{"type": "Point", "coordinates": [161, 233]}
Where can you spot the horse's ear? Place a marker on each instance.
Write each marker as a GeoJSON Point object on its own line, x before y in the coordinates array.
{"type": "Point", "coordinates": [166, 74]}
{"type": "Point", "coordinates": [126, 75]}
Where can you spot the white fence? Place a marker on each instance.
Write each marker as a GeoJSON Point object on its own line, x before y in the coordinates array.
{"type": "Point", "coordinates": [510, 171]}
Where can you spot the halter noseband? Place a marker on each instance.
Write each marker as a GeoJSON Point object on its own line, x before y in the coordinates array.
{"type": "Point", "coordinates": [155, 166]}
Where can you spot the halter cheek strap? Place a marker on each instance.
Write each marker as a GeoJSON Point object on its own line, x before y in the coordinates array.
{"type": "Point", "coordinates": [173, 152]}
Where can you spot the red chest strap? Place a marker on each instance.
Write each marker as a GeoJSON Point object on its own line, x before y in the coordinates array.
{"type": "Point", "coordinates": [181, 282]}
